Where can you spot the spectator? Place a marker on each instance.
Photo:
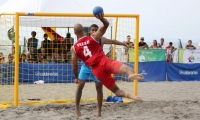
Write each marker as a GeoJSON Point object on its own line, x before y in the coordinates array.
{"type": "Point", "coordinates": [56, 44]}
{"type": "Point", "coordinates": [24, 58]}
{"type": "Point", "coordinates": [47, 44]}
{"type": "Point", "coordinates": [130, 45]}
{"type": "Point", "coordinates": [64, 49]}
{"type": "Point", "coordinates": [155, 45]}
{"type": "Point", "coordinates": [32, 42]}
{"type": "Point", "coordinates": [41, 55]}
{"type": "Point", "coordinates": [2, 58]}
{"type": "Point", "coordinates": [70, 42]}
{"type": "Point", "coordinates": [10, 58]}
{"type": "Point", "coordinates": [169, 52]}
{"type": "Point", "coordinates": [161, 44]}
{"type": "Point", "coordinates": [49, 59]}
{"type": "Point", "coordinates": [143, 44]}
{"type": "Point", "coordinates": [32, 55]}
{"type": "Point", "coordinates": [128, 42]}
{"type": "Point", "coordinates": [199, 45]}
{"type": "Point", "coordinates": [43, 60]}
{"type": "Point", "coordinates": [109, 54]}
{"type": "Point", "coordinates": [57, 56]}
{"type": "Point", "coordinates": [1, 54]}
{"type": "Point", "coordinates": [190, 46]}
{"type": "Point", "coordinates": [28, 56]}
{"type": "Point", "coordinates": [30, 60]}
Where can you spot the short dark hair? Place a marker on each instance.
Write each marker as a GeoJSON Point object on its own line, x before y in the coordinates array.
{"type": "Point", "coordinates": [24, 55]}
{"type": "Point", "coordinates": [68, 35]}
{"type": "Point", "coordinates": [45, 34]}
{"type": "Point", "coordinates": [189, 40]}
{"type": "Point", "coordinates": [94, 25]}
{"type": "Point", "coordinates": [33, 32]}
{"type": "Point", "coordinates": [170, 43]}
{"type": "Point", "coordinates": [128, 36]}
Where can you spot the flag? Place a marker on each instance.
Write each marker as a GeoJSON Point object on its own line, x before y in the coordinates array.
{"type": "Point", "coordinates": [179, 47]}
{"type": "Point", "coordinates": [25, 42]}
{"type": "Point", "coordinates": [180, 44]}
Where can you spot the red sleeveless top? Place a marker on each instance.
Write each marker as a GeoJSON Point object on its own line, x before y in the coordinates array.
{"type": "Point", "coordinates": [88, 50]}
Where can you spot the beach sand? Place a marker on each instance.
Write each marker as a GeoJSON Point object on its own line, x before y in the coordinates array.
{"type": "Point", "coordinates": [161, 101]}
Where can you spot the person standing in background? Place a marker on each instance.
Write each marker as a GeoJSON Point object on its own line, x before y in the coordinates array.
{"type": "Point", "coordinates": [47, 44]}
{"type": "Point", "coordinates": [32, 42]}
{"type": "Point", "coordinates": [199, 45]}
{"type": "Point", "coordinates": [190, 46]}
{"type": "Point", "coordinates": [155, 45]}
{"type": "Point", "coordinates": [161, 44]}
{"type": "Point", "coordinates": [142, 44]}
{"type": "Point", "coordinates": [130, 45]}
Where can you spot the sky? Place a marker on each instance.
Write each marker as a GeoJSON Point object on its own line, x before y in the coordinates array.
{"type": "Point", "coordinates": [168, 19]}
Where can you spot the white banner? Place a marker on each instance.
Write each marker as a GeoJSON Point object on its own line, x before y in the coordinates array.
{"type": "Point", "coordinates": [189, 56]}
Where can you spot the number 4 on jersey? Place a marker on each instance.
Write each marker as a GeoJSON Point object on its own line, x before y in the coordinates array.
{"type": "Point", "coordinates": [86, 51]}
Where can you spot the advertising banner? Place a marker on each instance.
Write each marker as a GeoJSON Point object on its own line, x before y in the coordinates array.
{"type": "Point", "coordinates": [49, 73]}
{"type": "Point", "coordinates": [152, 71]}
{"type": "Point", "coordinates": [147, 55]}
{"type": "Point", "coordinates": [7, 73]}
{"type": "Point", "coordinates": [183, 72]}
{"type": "Point", "coordinates": [189, 56]}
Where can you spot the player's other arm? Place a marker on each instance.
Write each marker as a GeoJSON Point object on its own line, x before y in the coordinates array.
{"type": "Point", "coordinates": [74, 63]}
{"type": "Point", "coordinates": [109, 41]}
{"type": "Point", "coordinates": [101, 31]}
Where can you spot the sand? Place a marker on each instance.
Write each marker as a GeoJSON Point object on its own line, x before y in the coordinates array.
{"type": "Point", "coordinates": [161, 101]}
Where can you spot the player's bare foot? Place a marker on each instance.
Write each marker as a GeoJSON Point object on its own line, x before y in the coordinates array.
{"type": "Point", "coordinates": [78, 113]}
{"type": "Point", "coordinates": [127, 95]}
{"type": "Point", "coordinates": [136, 76]}
{"type": "Point", "coordinates": [98, 114]}
{"type": "Point", "coordinates": [136, 98]}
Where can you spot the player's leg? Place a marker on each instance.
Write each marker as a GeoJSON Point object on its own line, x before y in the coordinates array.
{"type": "Point", "coordinates": [99, 89]}
{"type": "Point", "coordinates": [115, 89]}
{"type": "Point", "coordinates": [120, 68]}
{"type": "Point", "coordinates": [110, 84]}
{"type": "Point", "coordinates": [83, 75]}
{"type": "Point", "coordinates": [79, 89]}
{"type": "Point", "coordinates": [111, 66]}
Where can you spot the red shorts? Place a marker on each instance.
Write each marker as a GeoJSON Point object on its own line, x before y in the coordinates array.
{"type": "Point", "coordinates": [103, 70]}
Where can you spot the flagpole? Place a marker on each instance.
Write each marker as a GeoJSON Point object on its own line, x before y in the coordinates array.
{"type": "Point", "coordinates": [179, 47]}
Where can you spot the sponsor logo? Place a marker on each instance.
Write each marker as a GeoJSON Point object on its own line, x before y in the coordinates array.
{"type": "Point", "coordinates": [46, 74]}
{"type": "Point", "coordinates": [141, 58]}
{"type": "Point", "coordinates": [30, 14]}
{"type": "Point", "coordinates": [191, 59]}
{"type": "Point", "coordinates": [143, 72]}
{"type": "Point", "coordinates": [186, 72]}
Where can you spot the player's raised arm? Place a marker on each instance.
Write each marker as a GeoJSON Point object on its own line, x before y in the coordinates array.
{"type": "Point", "coordinates": [74, 64]}
{"type": "Point", "coordinates": [109, 41]}
{"type": "Point", "coordinates": [101, 31]}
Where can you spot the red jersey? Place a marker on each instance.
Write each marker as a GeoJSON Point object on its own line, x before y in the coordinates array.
{"type": "Point", "coordinates": [88, 50]}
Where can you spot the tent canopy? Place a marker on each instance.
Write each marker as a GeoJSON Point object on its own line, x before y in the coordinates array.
{"type": "Point", "coordinates": [31, 6]}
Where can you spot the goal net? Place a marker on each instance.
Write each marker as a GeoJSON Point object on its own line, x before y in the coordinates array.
{"type": "Point", "coordinates": [42, 53]}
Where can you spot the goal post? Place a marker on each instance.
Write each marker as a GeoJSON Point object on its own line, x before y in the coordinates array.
{"type": "Point", "coordinates": [122, 26]}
